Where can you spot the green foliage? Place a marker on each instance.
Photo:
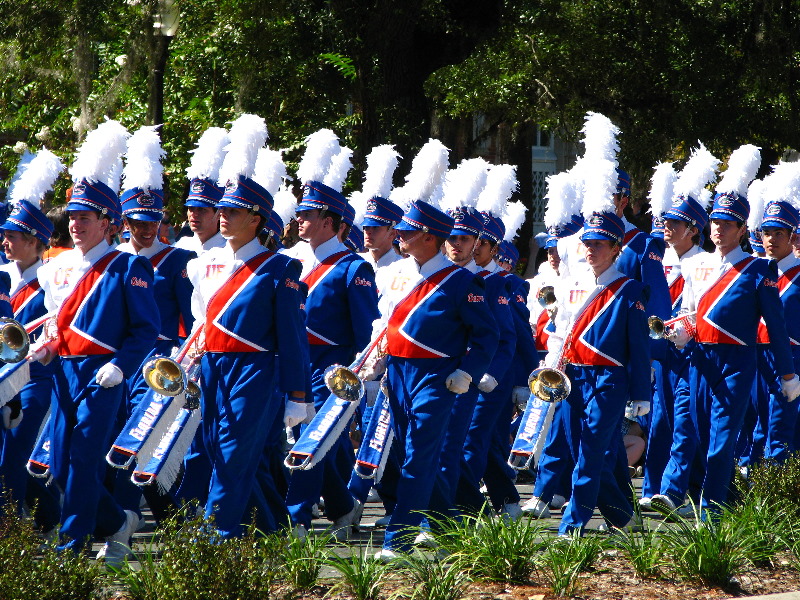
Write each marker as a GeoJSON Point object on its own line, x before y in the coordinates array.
{"type": "Point", "coordinates": [362, 577]}
{"type": "Point", "coordinates": [304, 559]}
{"type": "Point", "coordinates": [644, 550]}
{"type": "Point", "coordinates": [492, 549]}
{"type": "Point", "coordinates": [771, 482]}
{"type": "Point", "coordinates": [195, 563]}
{"type": "Point", "coordinates": [30, 570]}
{"type": "Point", "coordinates": [433, 580]}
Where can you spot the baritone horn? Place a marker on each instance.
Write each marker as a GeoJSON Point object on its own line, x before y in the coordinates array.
{"type": "Point", "coordinates": [172, 376]}
{"type": "Point", "coordinates": [549, 384]}
{"type": "Point", "coordinates": [14, 341]}
{"type": "Point", "coordinates": [547, 297]}
{"type": "Point", "coordinates": [343, 382]}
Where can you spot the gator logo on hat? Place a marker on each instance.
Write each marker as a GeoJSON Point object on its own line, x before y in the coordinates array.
{"type": "Point", "coordinates": [230, 186]}
{"type": "Point", "coordinates": [554, 230]}
{"type": "Point", "coordinates": [658, 222]}
{"type": "Point", "coordinates": [197, 187]}
{"type": "Point", "coordinates": [677, 201]}
{"type": "Point", "coordinates": [725, 201]}
{"type": "Point", "coordinates": [372, 206]}
{"type": "Point", "coordinates": [78, 188]}
{"type": "Point", "coordinates": [146, 199]}
{"type": "Point", "coordinates": [15, 211]}
{"type": "Point", "coordinates": [595, 221]}
{"type": "Point", "coordinates": [457, 214]}
{"type": "Point", "coordinates": [773, 209]}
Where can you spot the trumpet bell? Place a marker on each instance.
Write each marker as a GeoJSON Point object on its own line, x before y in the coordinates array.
{"type": "Point", "coordinates": [549, 385]}
{"type": "Point", "coordinates": [344, 383]}
{"type": "Point", "coordinates": [547, 297]}
{"type": "Point", "coordinates": [164, 376]}
{"type": "Point", "coordinates": [14, 341]}
{"type": "Point", "coordinates": [658, 330]}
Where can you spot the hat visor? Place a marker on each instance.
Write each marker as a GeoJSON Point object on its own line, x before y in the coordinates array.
{"type": "Point", "coordinates": [598, 235]}
{"type": "Point", "coordinates": [726, 216]}
{"type": "Point", "coordinates": [460, 231]}
{"type": "Point", "coordinates": [149, 216]}
{"type": "Point", "coordinates": [200, 203]}
{"type": "Point", "coordinates": [372, 222]}
{"type": "Point", "coordinates": [404, 226]}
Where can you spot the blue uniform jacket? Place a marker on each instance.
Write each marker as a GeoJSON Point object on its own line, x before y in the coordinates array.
{"type": "Point", "coordinates": [173, 293]}
{"type": "Point", "coordinates": [497, 296]}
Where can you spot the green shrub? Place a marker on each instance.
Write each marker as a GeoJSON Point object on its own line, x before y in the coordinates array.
{"type": "Point", "coordinates": [775, 483]}
{"type": "Point", "coordinates": [432, 580]}
{"type": "Point", "coordinates": [303, 560]}
{"type": "Point", "coordinates": [361, 576]}
{"type": "Point", "coordinates": [644, 550]}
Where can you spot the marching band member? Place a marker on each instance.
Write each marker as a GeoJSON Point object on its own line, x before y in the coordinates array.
{"type": "Point", "coordinates": [26, 233]}
{"type": "Point", "coordinates": [247, 299]}
{"type": "Point", "coordinates": [341, 305]}
{"type": "Point", "coordinates": [730, 291]}
{"type": "Point", "coordinates": [428, 366]}
{"type": "Point", "coordinates": [201, 203]}
{"type": "Point", "coordinates": [672, 437]}
{"type": "Point", "coordinates": [107, 321]}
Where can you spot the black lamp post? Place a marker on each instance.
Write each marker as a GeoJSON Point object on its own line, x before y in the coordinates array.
{"type": "Point", "coordinates": [165, 26]}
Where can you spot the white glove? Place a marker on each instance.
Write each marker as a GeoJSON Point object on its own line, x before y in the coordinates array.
{"type": "Point", "coordinates": [458, 381]}
{"type": "Point", "coordinates": [487, 384]}
{"type": "Point", "coordinates": [42, 353]}
{"type": "Point", "coordinates": [311, 412]}
{"type": "Point", "coordinates": [294, 414]}
{"type": "Point", "coordinates": [373, 370]}
{"type": "Point", "coordinates": [9, 421]}
{"type": "Point", "coordinates": [637, 408]}
{"type": "Point", "coordinates": [520, 395]}
{"type": "Point", "coordinates": [109, 375]}
{"type": "Point", "coordinates": [791, 388]}
{"type": "Point", "coordinates": [679, 336]}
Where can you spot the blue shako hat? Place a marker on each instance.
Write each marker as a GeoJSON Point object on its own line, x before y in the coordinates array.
{"type": "Point", "coordinates": [246, 193]}
{"type": "Point", "coordinates": [95, 196]}
{"type": "Point", "coordinates": [143, 205]}
{"type": "Point", "coordinates": [567, 229]}
{"type": "Point", "coordinates": [203, 193]}
{"type": "Point", "coordinates": [27, 218]}
{"type": "Point", "coordinates": [424, 217]}
{"type": "Point", "coordinates": [468, 221]}
{"type": "Point", "coordinates": [493, 228]}
{"type": "Point", "coordinates": [781, 214]}
{"type": "Point", "coordinates": [355, 239]}
{"type": "Point", "coordinates": [507, 252]}
{"type": "Point", "coordinates": [603, 226]}
{"type": "Point", "coordinates": [317, 195]}
{"type": "Point", "coordinates": [686, 208]}
{"type": "Point", "coordinates": [730, 206]}
{"type": "Point", "coordinates": [623, 183]}
{"type": "Point", "coordinates": [381, 211]}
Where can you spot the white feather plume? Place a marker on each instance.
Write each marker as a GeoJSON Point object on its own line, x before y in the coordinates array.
{"type": "Point", "coordinates": [661, 185]}
{"type": "Point", "coordinates": [699, 171]}
{"type": "Point", "coordinates": [743, 165]}
{"type": "Point", "coordinates": [248, 134]}
{"type": "Point", "coordinates": [38, 178]}
{"type": "Point", "coordinates": [599, 163]}
{"type": "Point", "coordinates": [463, 185]}
{"type": "Point", "coordinates": [341, 164]}
{"type": "Point", "coordinates": [143, 168]}
{"type": "Point", "coordinates": [24, 161]}
{"type": "Point", "coordinates": [381, 165]}
{"type": "Point", "coordinates": [757, 200]}
{"type": "Point", "coordinates": [285, 204]}
{"type": "Point", "coordinates": [114, 178]}
{"type": "Point", "coordinates": [321, 147]}
{"type": "Point", "coordinates": [782, 184]}
{"type": "Point", "coordinates": [600, 138]}
{"type": "Point", "coordinates": [427, 173]}
{"type": "Point", "coordinates": [513, 219]}
{"type": "Point", "coordinates": [501, 183]}
{"type": "Point", "coordinates": [208, 155]}
{"type": "Point", "coordinates": [97, 156]}
{"type": "Point", "coordinates": [561, 199]}
{"type": "Point", "coordinates": [705, 198]}
{"type": "Point", "coordinates": [270, 170]}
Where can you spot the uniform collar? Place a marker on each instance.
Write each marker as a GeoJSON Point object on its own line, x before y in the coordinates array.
{"type": "Point", "coordinates": [732, 257]}
{"type": "Point", "coordinates": [437, 263]}
{"type": "Point", "coordinates": [607, 276]}
{"type": "Point", "coordinates": [215, 241]}
{"type": "Point", "coordinates": [787, 262]}
{"type": "Point", "coordinates": [96, 252]}
{"type": "Point", "coordinates": [246, 252]}
{"type": "Point", "coordinates": [150, 252]}
{"type": "Point", "coordinates": [326, 249]}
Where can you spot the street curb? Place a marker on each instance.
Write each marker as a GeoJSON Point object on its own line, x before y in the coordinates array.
{"type": "Point", "coordinates": [780, 596]}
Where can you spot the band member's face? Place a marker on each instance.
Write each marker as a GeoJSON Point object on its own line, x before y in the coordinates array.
{"type": "Point", "coordinates": [311, 224]}
{"type": "Point", "coordinates": [378, 236]}
{"type": "Point", "coordinates": [19, 246]}
{"type": "Point", "coordinates": [237, 223]}
{"type": "Point", "coordinates": [778, 242]}
{"type": "Point", "coordinates": [600, 254]}
{"type": "Point", "coordinates": [458, 248]}
{"type": "Point", "coordinates": [675, 230]}
{"type": "Point", "coordinates": [87, 228]}
{"type": "Point", "coordinates": [553, 259]}
{"type": "Point", "coordinates": [202, 220]}
{"type": "Point", "coordinates": [726, 234]}
{"type": "Point", "coordinates": [143, 233]}
{"type": "Point", "coordinates": [484, 251]}
{"type": "Point", "coordinates": [409, 240]}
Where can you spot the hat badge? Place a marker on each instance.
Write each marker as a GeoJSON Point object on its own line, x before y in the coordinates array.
{"type": "Point", "coordinates": [197, 187]}
{"type": "Point", "coordinates": [78, 188]}
{"type": "Point", "coordinates": [774, 209]}
{"type": "Point", "coordinates": [658, 222]}
{"type": "Point", "coordinates": [15, 211]}
{"type": "Point", "coordinates": [677, 201]}
{"type": "Point", "coordinates": [725, 201]}
{"type": "Point", "coordinates": [554, 230]}
{"type": "Point", "coordinates": [230, 186]}
{"type": "Point", "coordinates": [457, 214]}
{"type": "Point", "coordinates": [146, 199]}
{"type": "Point", "coordinates": [595, 221]}
{"type": "Point", "coordinates": [372, 206]}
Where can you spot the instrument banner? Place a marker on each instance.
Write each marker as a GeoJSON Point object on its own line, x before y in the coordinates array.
{"type": "Point", "coordinates": [319, 436]}
{"type": "Point", "coordinates": [13, 377]}
{"type": "Point", "coordinates": [378, 438]}
{"type": "Point", "coordinates": [39, 462]}
{"type": "Point", "coordinates": [146, 426]}
{"type": "Point", "coordinates": [531, 434]}
{"type": "Point", "coordinates": [165, 464]}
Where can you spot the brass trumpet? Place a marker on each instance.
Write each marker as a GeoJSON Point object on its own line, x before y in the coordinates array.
{"type": "Point", "coordinates": [172, 376]}
{"type": "Point", "coordinates": [14, 341]}
{"type": "Point", "coordinates": [343, 382]}
{"type": "Point", "coordinates": [658, 330]}
{"type": "Point", "coordinates": [661, 329]}
{"type": "Point", "coordinates": [549, 384]}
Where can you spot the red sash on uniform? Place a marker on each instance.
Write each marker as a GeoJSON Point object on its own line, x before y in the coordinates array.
{"type": "Point", "coordinates": [676, 290]}
{"type": "Point", "coordinates": [217, 338]}
{"type": "Point", "coordinates": [629, 235]}
{"type": "Point", "coordinates": [24, 295]}
{"type": "Point", "coordinates": [397, 343]}
{"type": "Point", "coordinates": [708, 332]}
{"type": "Point", "coordinates": [541, 332]}
{"type": "Point", "coordinates": [159, 257]}
{"type": "Point", "coordinates": [784, 281]}
{"type": "Point", "coordinates": [72, 341]}
{"type": "Point", "coordinates": [576, 350]}
{"type": "Point", "coordinates": [313, 278]}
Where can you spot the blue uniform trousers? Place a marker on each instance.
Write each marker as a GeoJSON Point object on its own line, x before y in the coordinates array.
{"type": "Point", "coordinates": [83, 416]}
{"type": "Point", "coordinates": [498, 476]}
{"type": "Point", "coordinates": [452, 456]}
{"type": "Point", "coordinates": [554, 473]}
{"type": "Point", "coordinates": [239, 409]}
{"type": "Point", "coordinates": [659, 437]}
{"type": "Point", "coordinates": [721, 380]}
{"type": "Point", "coordinates": [421, 407]}
{"type": "Point", "coordinates": [329, 477]}
{"type": "Point", "coordinates": [592, 415]}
